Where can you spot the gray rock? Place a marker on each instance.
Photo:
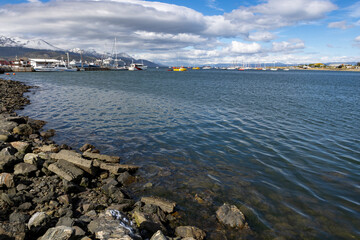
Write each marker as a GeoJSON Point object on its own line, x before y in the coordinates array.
{"type": "Point", "coordinates": [105, 158]}
{"type": "Point", "coordinates": [22, 147]}
{"type": "Point", "coordinates": [5, 198]}
{"type": "Point", "coordinates": [108, 227]}
{"type": "Point", "coordinates": [116, 168]}
{"type": "Point", "coordinates": [65, 221]}
{"type": "Point", "coordinates": [7, 179]}
{"type": "Point", "coordinates": [24, 169]}
{"type": "Point", "coordinates": [58, 233]}
{"type": "Point", "coordinates": [66, 170]}
{"type": "Point", "coordinates": [76, 159]}
{"type": "Point", "coordinates": [158, 236]}
{"type": "Point", "coordinates": [165, 205]}
{"type": "Point", "coordinates": [38, 220]}
{"type": "Point", "coordinates": [190, 232]}
{"type": "Point", "coordinates": [230, 215]}
{"type": "Point", "coordinates": [78, 231]}
{"type": "Point", "coordinates": [4, 137]}
{"type": "Point", "coordinates": [7, 127]}
{"type": "Point", "coordinates": [32, 158]}
{"type": "Point", "coordinates": [48, 148]}
{"type": "Point", "coordinates": [8, 151]}
{"type": "Point", "coordinates": [17, 217]}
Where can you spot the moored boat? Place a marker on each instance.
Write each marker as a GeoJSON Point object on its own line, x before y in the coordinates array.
{"type": "Point", "coordinates": [137, 67]}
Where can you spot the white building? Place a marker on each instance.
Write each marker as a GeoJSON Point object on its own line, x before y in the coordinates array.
{"type": "Point", "coordinates": [43, 62]}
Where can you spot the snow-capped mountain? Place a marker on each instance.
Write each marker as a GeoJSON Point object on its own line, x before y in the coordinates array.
{"type": "Point", "coordinates": [33, 43]}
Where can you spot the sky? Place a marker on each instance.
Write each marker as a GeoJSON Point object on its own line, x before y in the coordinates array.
{"type": "Point", "coordinates": [194, 32]}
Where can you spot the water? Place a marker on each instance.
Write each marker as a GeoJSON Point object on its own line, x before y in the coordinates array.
{"type": "Point", "coordinates": [282, 146]}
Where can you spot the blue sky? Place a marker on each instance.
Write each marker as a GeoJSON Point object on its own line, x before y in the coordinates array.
{"type": "Point", "coordinates": [194, 32]}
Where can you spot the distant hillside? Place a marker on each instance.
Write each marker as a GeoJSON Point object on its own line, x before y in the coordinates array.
{"type": "Point", "coordinates": [10, 53]}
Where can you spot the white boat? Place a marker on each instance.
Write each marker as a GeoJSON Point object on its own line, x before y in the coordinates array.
{"type": "Point", "coordinates": [137, 67]}
{"type": "Point", "coordinates": [55, 68]}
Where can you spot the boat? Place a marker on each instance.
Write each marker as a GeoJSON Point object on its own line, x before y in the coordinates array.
{"type": "Point", "coordinates": [55, 68]}
{"type": "Point", "coordinates": [196, 68]}
{"type": "Point", "coordinates": [137, 67]}
{"type": "Point", "coordinates": [115, 66]}
{"type": "Point", "coordinates": [179, 69]}
{"type": "Point", "coordinates": [206, 67]}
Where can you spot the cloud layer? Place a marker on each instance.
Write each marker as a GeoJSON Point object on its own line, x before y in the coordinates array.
{"type": "Point", "coordinates": [159, 30]}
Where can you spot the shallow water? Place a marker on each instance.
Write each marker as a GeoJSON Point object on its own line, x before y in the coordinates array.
{"type": "Point", "coordinates": [282, 146]}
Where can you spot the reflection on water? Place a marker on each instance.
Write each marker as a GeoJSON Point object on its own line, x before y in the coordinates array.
{"type": "Point", "coordinates": [283, 146]}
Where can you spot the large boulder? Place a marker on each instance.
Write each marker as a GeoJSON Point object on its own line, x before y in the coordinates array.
{"type": "Point", "coordinates": [66, 170]}
{"type": "Point", "coordinates": [230, 215]}
{"type": "Point", "coordinates": [76, 159]}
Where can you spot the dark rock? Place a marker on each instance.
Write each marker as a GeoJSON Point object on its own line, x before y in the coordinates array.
{"type": "Point", "coordinates": [23, 129]}
{"type": "Point", "coordinates": [25, 206]}
{"type": "Point", "coordinates": [6, 199]}
{"type": "Point", "coordinates": [48, 134]}
{"type": "Point", "coordinates": [125, 178]}
{"type": "Point", "coordinates": [87, 146]}
{"type": "Point", "coordinates": [36, 124]}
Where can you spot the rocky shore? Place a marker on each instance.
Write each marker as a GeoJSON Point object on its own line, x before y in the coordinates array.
{"type": "Point", "coordinates": [49, 191]}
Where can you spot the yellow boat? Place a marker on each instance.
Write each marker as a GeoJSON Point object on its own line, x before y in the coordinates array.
{"type": "Point", "coordinates": [180, 69]}
{"type": "Point", "coordinates": [196, 68]}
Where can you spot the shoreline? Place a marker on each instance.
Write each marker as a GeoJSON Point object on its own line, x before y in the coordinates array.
{"type": "Point", "coordinates": [49, 190]}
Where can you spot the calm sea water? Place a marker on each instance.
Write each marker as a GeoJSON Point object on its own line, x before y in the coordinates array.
{"type": "Point", "coordinates": [282, 146]}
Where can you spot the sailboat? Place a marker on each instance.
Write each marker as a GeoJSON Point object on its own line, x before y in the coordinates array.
{"type": "Point", "coordinates": [273, 68]}
{"type": "Point", "coordinates": [115, 66]}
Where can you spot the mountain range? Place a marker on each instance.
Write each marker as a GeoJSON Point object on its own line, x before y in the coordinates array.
{"type": "Point", "coordinates": [12, 47]}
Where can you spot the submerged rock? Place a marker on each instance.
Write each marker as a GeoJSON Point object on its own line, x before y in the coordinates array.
{"type": "Point", "coordinates": [165, 205]}
{"type": "Point", "coordinates": [190, 232]}
{"type": "Point", "coordinates": [230, 215]}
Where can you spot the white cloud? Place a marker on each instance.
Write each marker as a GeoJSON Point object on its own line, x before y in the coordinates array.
{"type": "Point", "coordinates": [284, 46]}
{"type": "Point", "coordinates": [34, 1]}
{"type": "Point", "coordinates": [357, 39]}
{"type": "Point", "coordinates": [244, 48]}
{"type": "Point", "coordinates": [341, 24]}
{"type": "Point", "coordinates": [261, 36]}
